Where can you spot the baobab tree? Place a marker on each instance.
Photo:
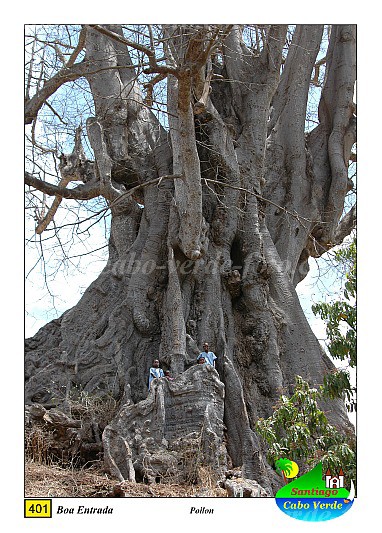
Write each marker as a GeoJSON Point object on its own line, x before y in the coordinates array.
{"type": "Point", "coordinates": [217, 203]}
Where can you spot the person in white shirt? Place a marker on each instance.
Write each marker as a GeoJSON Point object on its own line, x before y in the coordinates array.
{"type": "Point", "coordinates": [209, 357]}
{"type": "Point", "coordinates": [155, 371]}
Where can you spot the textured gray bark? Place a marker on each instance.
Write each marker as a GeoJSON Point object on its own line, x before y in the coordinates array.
{"type": "Point", "coordinates": [217, 251]}
{"type": "Point", "coordinates": [180, 422]}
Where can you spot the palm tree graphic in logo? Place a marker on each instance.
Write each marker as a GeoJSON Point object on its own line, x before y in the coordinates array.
{"type": "Point", "coordinates": [286, 467]}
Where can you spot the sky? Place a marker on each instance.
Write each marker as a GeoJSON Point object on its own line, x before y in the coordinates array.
{"type": "Point", "coordinates": [55, 286]}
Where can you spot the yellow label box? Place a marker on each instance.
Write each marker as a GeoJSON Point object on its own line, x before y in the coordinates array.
{"type": "Point", "coordinates": [38, 508]}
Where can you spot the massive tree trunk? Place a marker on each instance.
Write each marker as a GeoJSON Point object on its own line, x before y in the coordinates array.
{"type": "Point", "coordinates": [213, 251]}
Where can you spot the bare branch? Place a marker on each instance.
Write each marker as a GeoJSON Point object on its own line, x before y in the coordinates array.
{"type": "Point", "coordinates": [149, 86]}
{"type": "Point", "coordinates": [79, 47]}
{"type": "Point", "coordinates": [346, 225]}
{"type": "Point", "coordinates": [133, 190]}
{"type": "Point", "coordinates": [44, 222]}
{"type": "Point", "coordinates": [154, 67]}
{"type": "Point", "coordinates": [81, 192]}
{"type": "Point", "coordinates": [317, 66]}
{"type": "Point", "coordinates": [66, 74]}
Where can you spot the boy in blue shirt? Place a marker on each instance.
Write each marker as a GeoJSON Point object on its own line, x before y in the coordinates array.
{"type": "Point", "coordinates": [209, 357]}
{"type": "Point", "coordinates": [155, 371]}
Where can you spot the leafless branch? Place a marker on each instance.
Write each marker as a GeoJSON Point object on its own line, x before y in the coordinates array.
{"type": "Point", "coordinates": [317, 66]}
{"type": "Point", "coordinates": [154, 66]}
{"type": "Point", "coordinates": [81, 192]}
{"type": "Point", "coordinates": [346, 225]}
{"type": "Point", "coordinates": [66, 74]}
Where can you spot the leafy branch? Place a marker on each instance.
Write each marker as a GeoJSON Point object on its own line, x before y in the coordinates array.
{"type": "Point", "coordinates": [299, 429]}
{"type": "Point", "coordinates": [341, 327]}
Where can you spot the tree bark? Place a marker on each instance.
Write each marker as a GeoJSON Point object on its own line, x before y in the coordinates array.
{"type": "Point", "coordinates": [215, 254]}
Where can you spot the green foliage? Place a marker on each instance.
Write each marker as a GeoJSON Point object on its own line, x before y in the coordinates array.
{"type": "Point", "coordinates": [299, 430]}
{"type": "Point", "coordinates": [336, 385]}
{"type": "Point", "coordinates": [341, 327]}
{"type": "Point", "coordinates": [342, 341]}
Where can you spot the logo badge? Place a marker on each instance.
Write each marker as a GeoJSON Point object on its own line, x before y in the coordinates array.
{"type": "Point", "coordinates": [313, 497]}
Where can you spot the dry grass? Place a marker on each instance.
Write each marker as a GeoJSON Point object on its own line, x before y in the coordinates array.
{"type": "Point", "coordinates": [43, 480]}
{"type": "Point", "coordinates": [55, 481]}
